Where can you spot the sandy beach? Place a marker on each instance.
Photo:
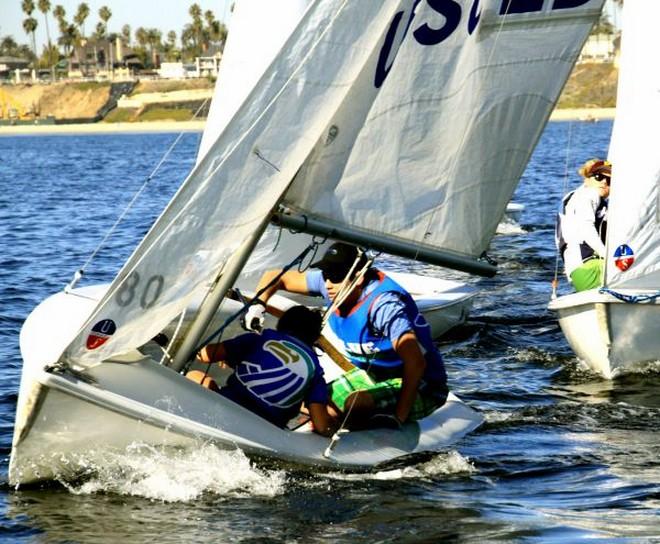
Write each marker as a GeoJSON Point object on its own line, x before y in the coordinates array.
{"type": "Point", "coordinates": [100, 128]}
{"type": "Point", "coordinates": [584, 114]}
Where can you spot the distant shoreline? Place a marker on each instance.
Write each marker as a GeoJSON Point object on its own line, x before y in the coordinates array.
{"type": "Point", "coordinates": [103, 128]}
{"type": "Point", "coordinates": [582, 114]}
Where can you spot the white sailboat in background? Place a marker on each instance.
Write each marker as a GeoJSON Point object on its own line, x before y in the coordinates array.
{"type": "Point", "coordinates": [616, 329]}
{"type": "Point", "coordinates": [379, 122]}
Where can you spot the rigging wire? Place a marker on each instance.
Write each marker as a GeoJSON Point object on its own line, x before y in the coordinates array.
{"type": "Point", "coordinates": [81, 271]}
{"type": "Point", "coordinates": [217, 334]}
{"type": "Point", "coordinates": [555, 280]}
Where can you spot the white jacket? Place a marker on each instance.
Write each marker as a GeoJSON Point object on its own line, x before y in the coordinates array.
{"type": "Point", "coordinates": [579, 221]}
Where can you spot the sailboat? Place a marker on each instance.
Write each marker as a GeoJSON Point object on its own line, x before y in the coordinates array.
{"type": "Point", "coordinates": [614, 329]}
{"type": "Point", "coordinates": [378, 123]}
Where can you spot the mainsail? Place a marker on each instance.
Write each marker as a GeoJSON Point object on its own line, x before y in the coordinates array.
{"type": "Point", "coordinates": [407, 120]}
{"type": "Point", "coordinates": [633, 237]}
{"type": "Point", "coordinates": [462, 104]}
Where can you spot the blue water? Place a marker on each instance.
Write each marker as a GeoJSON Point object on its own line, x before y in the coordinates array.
{"type": "Point", "coordinates": [564, 456]}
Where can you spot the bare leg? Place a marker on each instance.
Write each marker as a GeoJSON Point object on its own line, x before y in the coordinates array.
{"type": "Point", "coordinates": [360, 407]}
{"type": "Point", "coordinates": [203, 379]}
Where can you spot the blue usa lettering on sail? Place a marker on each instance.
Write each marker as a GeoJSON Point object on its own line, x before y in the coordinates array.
{"type": "Point", "coordinates": [424, 34]}
{"type": "Point", "coordinates": [452, 11]}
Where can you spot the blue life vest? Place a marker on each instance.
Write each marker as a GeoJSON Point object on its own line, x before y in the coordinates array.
{"type": "Point", "coordinates": [368, 348]}
{"type": "Point", "coordinates": [273, 374]}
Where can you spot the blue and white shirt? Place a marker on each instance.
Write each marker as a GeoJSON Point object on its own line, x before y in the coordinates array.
{"type": "Point", "coordinates": [273, 374]}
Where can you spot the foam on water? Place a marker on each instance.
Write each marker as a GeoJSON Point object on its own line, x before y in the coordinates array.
{"type": "Point", "coordinates": [180, 475]}
{"type": "Point", "coordinates": [448, 463]}
{"type": "Point", "coordinates": [509, 226]}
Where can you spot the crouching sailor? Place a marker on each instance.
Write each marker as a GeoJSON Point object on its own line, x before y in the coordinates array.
{"type": "Point", "coordinates": [274, 372]}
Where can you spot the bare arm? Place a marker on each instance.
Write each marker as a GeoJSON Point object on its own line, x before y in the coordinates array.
{"type": "Point", "coordinates": [292, 281]}
{"type": "Point", "coordinates": [324, 423]}
{"type": "Point", "coordinates": [414, 366]}
{"type": "Point", "coordinates": [212, 353]}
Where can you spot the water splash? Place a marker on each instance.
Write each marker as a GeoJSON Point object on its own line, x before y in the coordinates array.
{"type": "Point", "coordinates": [509, 226]}
{"type": "Point", "coordinates": [180, 475]}
{"type": "Point", "coordinates": [449, 463]}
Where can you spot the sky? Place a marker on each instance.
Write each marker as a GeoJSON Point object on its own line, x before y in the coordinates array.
{"type": "Point", "coordinates": [165, 15]}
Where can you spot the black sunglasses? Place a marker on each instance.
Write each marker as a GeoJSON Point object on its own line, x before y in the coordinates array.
{"type": "Point", "coordinates": [602, 177]}
{"type": "Point", "coordinates": [333, 275]}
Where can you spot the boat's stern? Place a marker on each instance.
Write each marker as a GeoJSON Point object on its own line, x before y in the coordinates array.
{"type": "Point", "coordinates": [611, 336]}
{"type": "Point", "coordinates": [583, 320]}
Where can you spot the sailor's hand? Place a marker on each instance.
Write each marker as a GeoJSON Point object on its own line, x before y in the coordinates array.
{"type": "Point", "coordinates": [253, 320]}
{"type": "Point", "coordinates": [385, 421]}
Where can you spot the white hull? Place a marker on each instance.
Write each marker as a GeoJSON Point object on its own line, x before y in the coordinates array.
{"type": "Point", "coordinates": [65, 423]}
{"type": "Point", "coordinates": [513, 212]}
{"type": "Point", "coordinates": [610, 336]}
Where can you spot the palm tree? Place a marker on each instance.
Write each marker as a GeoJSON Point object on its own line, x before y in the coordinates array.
{"type": "Point", "coordinates": [154, 38]}
{"type": "Point", "coordinates": [68, 38]}
{"type": "Point", "coordinates": [105, 14]}
{"type": "Point", "coordinates": [142, 38]}
{"type": "Point", "coordinates": [30, 23]}
{"type": "Point", "coordinates": [171, 53]}
{"type": "Point", "coordinates": [59, 12]}
{"type": "Point", "coordinates": [126, 33]}
{"type": "Point", "coordinates": [44, 7]}
{"type": "Point", "coordinates": [196, 28]}
{"type": "Point", "coordinates": [81, 14]}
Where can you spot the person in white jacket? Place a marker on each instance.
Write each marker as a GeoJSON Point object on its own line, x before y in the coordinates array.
{"type": "Point", "coordinates": [583, 226]}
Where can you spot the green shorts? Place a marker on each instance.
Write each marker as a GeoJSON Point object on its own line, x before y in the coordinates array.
{"type": "Point", "coordinates": [589, 275]}
{"type": "Point", "coordinates": [385, 393]}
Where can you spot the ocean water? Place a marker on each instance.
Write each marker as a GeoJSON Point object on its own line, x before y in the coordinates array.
{"type": "Point", "coordinates": [564, 456]}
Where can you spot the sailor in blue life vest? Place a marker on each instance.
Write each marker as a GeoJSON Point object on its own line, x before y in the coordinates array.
{"type": "Point", "coordinates": [275, 371]}
{"type": "Point", "coordinates": [582, 225]}
{"type": "Point", "coordinates": [399, 374]}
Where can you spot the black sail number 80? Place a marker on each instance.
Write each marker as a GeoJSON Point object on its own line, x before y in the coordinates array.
{"type": "Point", "coordinates": [148, 294]}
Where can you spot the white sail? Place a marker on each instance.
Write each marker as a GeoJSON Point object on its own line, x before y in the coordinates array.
{"type": "Point", "coordinates": [257, 32]}
{"type": "Point", "coordinates": [437, 157]}
{"type": "Point", "coordinates": [634, 207]}
{"type": "Point", "coordinates": [235, 186]}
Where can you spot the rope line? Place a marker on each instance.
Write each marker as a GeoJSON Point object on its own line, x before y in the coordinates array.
{"type": "Point", "coordinates": [79, 273]}
{"type": "Point", "coordinates": [630, 299]}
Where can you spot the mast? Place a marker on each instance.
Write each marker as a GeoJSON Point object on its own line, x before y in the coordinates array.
{"type": "Point", "coordinates": [214, 298]}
